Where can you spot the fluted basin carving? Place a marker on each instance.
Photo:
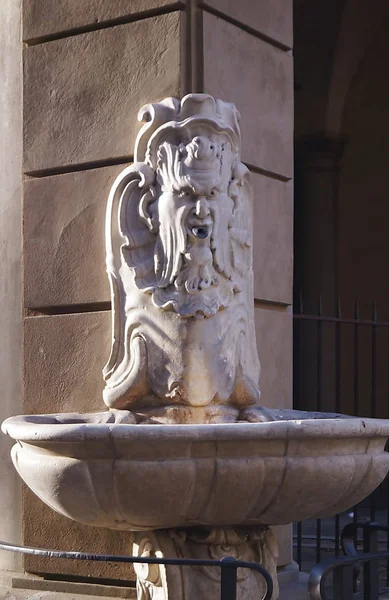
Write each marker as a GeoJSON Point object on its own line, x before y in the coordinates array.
{"type": "Point", "coordinates": [142, 477]}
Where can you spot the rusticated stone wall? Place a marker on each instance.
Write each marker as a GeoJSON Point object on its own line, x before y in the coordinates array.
{"type": "Point", "coordinates": [88, 67]}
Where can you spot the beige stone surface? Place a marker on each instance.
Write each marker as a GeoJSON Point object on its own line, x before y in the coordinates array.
{"type": "Point", "coordinates": [64, 356]}
{"type": "Point", "coordinates": [60, 268]}
{"type": "Point", "coordinates": [259, 79]}
{"type": "Point", "coordinates": [29, 581]}
{"type": "Point", "coordinates": [272, 18]}
{"type": "Point", "coordinates": [44, 528]}
{"type": "Point", "coordinates": [273, 239]}
{"type": "Point", "coordinates": [189, 584]}
{"type": "Point", "coordinates": [8, 592]}
{"type": "Point", "coordinates": [183, 336]}
{"type": "Point", "coordinates": [82, 94]}
{"type": "Point", "coordinates": [10, 261]}
{"type": "Point", "coordinates": [64, 253]}
{"type": "Point", "coordinates": [274, 338]}
{"type": "Point", "coordinates": [147, 477]}
{"type": "Point", "coordinates": [45, 17]}
{"type": "Point", "coordinates": [284, 535]}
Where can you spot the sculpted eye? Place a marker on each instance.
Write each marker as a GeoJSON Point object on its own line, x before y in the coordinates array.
{"type": "Point", "coordinates": [185, 193]}
{"type": "Point", "coordinates": [213, 193]}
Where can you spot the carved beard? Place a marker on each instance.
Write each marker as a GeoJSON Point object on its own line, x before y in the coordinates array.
{"type": "Point", "coordinates": [189, 282]}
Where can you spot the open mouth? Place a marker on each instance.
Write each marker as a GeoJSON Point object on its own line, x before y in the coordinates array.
{"type": "Point", "coordinates": [201, 231]}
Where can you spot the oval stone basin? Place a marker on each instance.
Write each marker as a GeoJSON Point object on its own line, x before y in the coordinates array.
{"type": "Point", "coordinates": [140, 477]}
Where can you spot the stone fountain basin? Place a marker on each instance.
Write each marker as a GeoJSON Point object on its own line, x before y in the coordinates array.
{"type": "Point", "coordinates": [141, 477]}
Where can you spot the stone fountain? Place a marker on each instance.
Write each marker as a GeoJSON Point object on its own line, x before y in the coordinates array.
{"type": "Point", "coordinates": [185, 457]}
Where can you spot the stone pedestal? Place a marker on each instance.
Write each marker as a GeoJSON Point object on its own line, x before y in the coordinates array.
{"type": "Point", "coordinates": [184, 582]}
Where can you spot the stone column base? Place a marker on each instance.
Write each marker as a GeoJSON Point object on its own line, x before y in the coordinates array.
{"type": "Point", "coordinates": [156, 582]}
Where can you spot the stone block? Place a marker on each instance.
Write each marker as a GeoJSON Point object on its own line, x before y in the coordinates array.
{"type": "Point", "coordinates": [82, 94]}
{"type": "Point", "coordinates": [273, 240]}
{"type": "Point", "coordinates": [64, 356]}
{"type": "Point", "coordinates": [64, 248]}
{"type": "Point", "coordinates": [64, 239]}
{"type": "Point", "coordinates": [45, 17]}
{"type": "Point", "coordinates": [273, 19]}
{"type": "Point", "coordinates": [284, 536]}
{"type": "Point", "coordinates": [45, 528]}
{"type": "Point", "coordinates": [273, 328]}
{"type": "Point", "coordinates": [244, 69]}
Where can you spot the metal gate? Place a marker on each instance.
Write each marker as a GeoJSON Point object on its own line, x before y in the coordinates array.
{"type": "Point", "coordinates": [341, 365]}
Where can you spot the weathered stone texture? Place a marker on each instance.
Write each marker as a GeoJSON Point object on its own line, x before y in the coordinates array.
{"type": "Point", "coordinates": [81, 94]}
{"type": "Point", "coordinates": [64, 356]}
{"type": "Point", "coordinates": [11, 276]}
{"type": "Point", "coordinates": [64, 250]}
{"type": "Point", "coordinates": [273, 19]}
{"type": "Point", "coordinates": [273, 239]}
{"type": "Point", "coordinates": [274, 339]}
{"type": "Point", "coordinates": [45, 17]}
{"type": "Point", "coordinates": [242, 68]}
{"type": "Point", "coordinates": [64, 254]}
{"type": "Point", "coordinates": [44, 528]}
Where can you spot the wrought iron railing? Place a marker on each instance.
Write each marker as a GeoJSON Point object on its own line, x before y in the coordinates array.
{"type": "Point", "coordinates": [341, 363]}
{"type": "Point", "coordinates": [355, 576]}
{"type": "Point", "coordinates": [228, 565]}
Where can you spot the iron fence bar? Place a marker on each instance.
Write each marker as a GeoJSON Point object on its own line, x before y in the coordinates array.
{"type": "Point", "coordinates": [356, 326]}
{"type": "Point", "coordinates": [319, 357]}
{"type": "Point", "coordinates": [369, 525]}
{"type": "Point", "coordinates": [387, 479]}
{"type": "Point", "coordinates": [228, 580]}
{"type": "Point", "coordinates": [374, 362]}
{"type": "Point", "coordinates": [337, 398]}
{"type": "Point", "coordinates": [356, 358]}
{"type": "Point", "coordinates": [340, 320]}
{"type": "Point", "coordinates": [337, 357]}
{"type": "Point", "coordinates": [356, 383]}
{"type": "Point", "coordinates": [387, 562]}
{"type": "Point", "coordinates": [370, 569]}
{"type": "Point", "coordinates": [320, 572]}
{"type": "Point", "coordinates": [337, 534]}
{"type": "Point", "coordinates": [373, 391]}
{"type": "Point", "coordinates": [319, 382]}
{"type": "Point", "coordinates": [226, 564]}
{"type": "Point", "coordinates": [343, 584]}
{"type": "Point", "coordinates": [318, 540]}
{"type": "Point", "coordinates": [299, 544]}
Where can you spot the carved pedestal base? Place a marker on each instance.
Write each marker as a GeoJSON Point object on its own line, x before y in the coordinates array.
{"type": "Point", "coordinates": [185, 583]}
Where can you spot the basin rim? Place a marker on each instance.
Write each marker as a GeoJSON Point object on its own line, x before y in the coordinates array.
{"type": "Point", "coordinates": [41, 428]}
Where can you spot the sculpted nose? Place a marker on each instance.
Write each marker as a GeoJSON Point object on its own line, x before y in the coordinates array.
{"type": "Point", "coordinates": [202, 209]}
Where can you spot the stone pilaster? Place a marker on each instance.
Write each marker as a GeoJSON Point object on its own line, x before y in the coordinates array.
{"type": "Point", "coordinates": [10, 270]}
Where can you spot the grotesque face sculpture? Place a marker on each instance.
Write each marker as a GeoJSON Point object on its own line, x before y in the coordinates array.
{"type": "Point", "coordinates": [179, 261]}
{"type": "Point", "coordinates": [192, 216]}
